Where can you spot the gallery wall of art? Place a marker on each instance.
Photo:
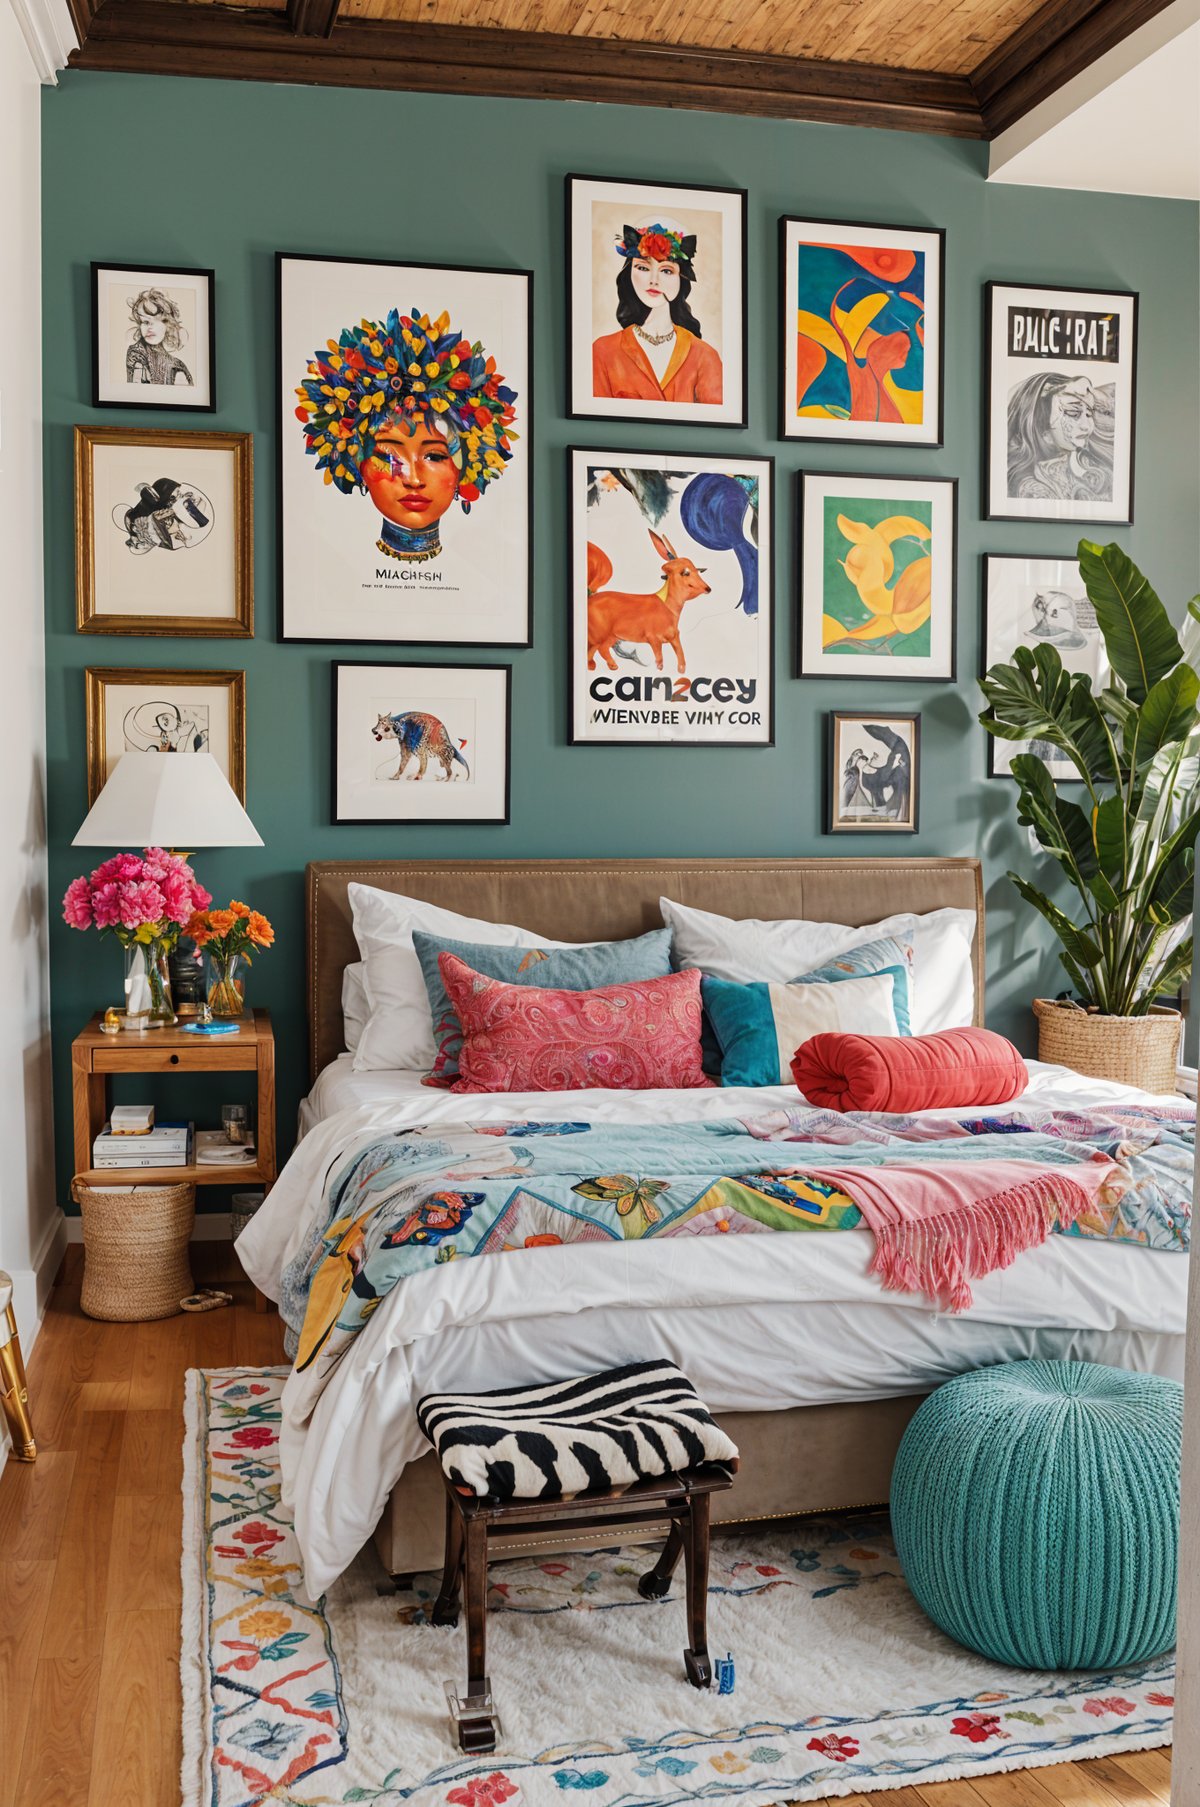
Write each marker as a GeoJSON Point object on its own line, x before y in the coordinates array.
{"type": "Point", "coordinates": [272, 590]}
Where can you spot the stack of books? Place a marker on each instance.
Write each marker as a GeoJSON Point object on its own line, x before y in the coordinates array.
{"type": "Point", "coordinates": [165, 1145]}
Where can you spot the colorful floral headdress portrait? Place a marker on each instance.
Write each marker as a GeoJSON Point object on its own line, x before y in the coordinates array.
{"type": "Point", "coordinates": [412, 366]}
{"type": "Point", "coordinates": [659, 242]}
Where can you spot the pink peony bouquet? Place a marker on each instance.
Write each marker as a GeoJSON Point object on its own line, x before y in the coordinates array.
{"type": "Point", "coordinates": [146, 898]}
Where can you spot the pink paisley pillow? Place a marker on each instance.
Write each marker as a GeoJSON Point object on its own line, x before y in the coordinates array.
{"type": "Point", "coordinates": [631, 1037]}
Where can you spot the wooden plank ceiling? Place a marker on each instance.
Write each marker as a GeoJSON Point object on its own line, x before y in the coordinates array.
{"type": "Point", "coordinates": [963, 67]}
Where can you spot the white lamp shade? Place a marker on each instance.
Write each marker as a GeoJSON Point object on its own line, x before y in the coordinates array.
{"type": "Point", "coordinates": [165, 800]}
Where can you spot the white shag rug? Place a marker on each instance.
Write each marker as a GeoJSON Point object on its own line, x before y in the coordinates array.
{"type": "Point", "coordinates": [842, 1685]}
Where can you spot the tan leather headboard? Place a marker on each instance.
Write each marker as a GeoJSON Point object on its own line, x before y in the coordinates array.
{"type": "Point", "coordinates": [606, 900]}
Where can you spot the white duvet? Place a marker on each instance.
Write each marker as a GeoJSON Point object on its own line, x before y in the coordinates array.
{"type": "Point", "coordinates": [757, 1322]}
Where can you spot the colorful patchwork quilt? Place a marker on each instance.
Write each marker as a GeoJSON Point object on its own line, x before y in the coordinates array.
{"type": "Point", "coordinates": [397, 1204]}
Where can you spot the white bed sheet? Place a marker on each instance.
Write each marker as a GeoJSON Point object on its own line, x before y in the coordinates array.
{"type": "Point", "coordinates": [775, 1322]}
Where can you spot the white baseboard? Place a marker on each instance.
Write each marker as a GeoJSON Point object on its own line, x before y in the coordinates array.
{"type": "Point", "coordinates": [31, 1289]}
{"type": "Point", "coordinates": [213, 1226]}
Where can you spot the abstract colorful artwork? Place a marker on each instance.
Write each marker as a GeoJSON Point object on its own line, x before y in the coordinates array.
{"type": "Point", "coordinates": [877, 578]}
{"type": "Point", "coordinates": [862, 333]}
{"type": "Point", "coordinates": [1061, 369]}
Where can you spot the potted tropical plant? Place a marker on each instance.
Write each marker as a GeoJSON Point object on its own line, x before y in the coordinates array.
{"type": "Point", "coordinates": [1128, 848]}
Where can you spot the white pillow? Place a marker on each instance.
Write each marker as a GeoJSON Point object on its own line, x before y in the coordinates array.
{"type": "Point", "coordinates": [355, 1009]}
{"type": "Point", "coordinates": [943, 989]}
{"type": "Point", "coordinates": [399, 1031]}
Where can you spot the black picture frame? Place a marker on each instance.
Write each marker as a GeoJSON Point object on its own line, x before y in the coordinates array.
{"type": "Point", "coordinates": [986, 561]}
{"type": "Point", "coordinates": [832, 776]}
{"type": "Point", "coordinates": [337, 666]}
{"type": "Point", "coordinates": [849, 479]}
{"type": "Point", "coordinates": [573, 740]}
{"type": "Point", "coordinates": [1048, 288]}
{"type": "Point", "coordinates": [788, 433]}
{"type": "Point", "coordinates": [743, 363]}
{"type": "Point", "coordinates": [528, 440]}
{"type": "Point", "coordinates": [210, 341]}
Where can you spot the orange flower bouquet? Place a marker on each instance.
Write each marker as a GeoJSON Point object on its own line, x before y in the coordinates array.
{"type": "Point", "coordinates": [227, 937]}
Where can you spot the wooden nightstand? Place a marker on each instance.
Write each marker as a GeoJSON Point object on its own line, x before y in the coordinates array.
{"type": "Point", "coordinates": [95, 1056]}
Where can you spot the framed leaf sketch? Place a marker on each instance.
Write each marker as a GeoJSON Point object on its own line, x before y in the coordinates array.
{"type": "Point", "coordinates": [165, 714]}
{"type": "Point", "coordinates": [1061, 392]}
{"type": "Point", "coordinates": [405, 435]}
{"type": "Point", "coordinates": [164, 532]}
{"type": "Point", "coordinates": [154, 338]}
{"type": "Point", "coordinates": [862, 353]}
{"type": "Point", "coordinates": [873, 777]}
{"type": "Point", "coordinates": [421, 743]}
{"type": "Point", "coordinates": [1039, 602]}
{"type": "Point", "coordinates": [656, 301]}
{"type": "Point", "coordinates": [878, 583]}
{"type": "Point", "coordinates": [672, 608]}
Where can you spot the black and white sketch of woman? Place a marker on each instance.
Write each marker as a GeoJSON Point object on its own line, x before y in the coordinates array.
{"type": "Point", "coordinates": [158, 334]}
{"type": "Point", "coordinates": [1060, 439]}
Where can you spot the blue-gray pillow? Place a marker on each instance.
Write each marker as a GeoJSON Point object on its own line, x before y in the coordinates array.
{"type": "Point", "coordinates": [757, 1024]}
{"type": "Point", "coordinates": [555, 968]}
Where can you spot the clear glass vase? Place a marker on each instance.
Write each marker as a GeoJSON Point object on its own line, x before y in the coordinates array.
{"type": "Point", "coordinates": [226, 983]}
{"type": "Point", "coordinates": [147, 986]}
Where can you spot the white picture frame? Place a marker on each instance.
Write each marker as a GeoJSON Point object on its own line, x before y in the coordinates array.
{"type": "Point", "coordinates": [421, 743]}
{"type": "Point", "coordinates": [636, 351]}
{"type": "Point", "coordinates": [1032, 601]}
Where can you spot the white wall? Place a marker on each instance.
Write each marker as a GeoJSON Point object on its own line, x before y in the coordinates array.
{"type": "Point", "coordinates": [31, 1228]}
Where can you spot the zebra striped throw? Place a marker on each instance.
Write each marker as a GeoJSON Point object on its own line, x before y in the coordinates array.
{"type": "Point", "coordinates": [574, 1436]}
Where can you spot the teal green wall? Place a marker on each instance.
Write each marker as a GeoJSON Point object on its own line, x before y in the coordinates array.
{"type": "Point", "coordinates": [150, 169]}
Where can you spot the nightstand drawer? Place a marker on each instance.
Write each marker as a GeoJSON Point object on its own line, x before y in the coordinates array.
{"type": "Point", "coordinates": [203, 1058]}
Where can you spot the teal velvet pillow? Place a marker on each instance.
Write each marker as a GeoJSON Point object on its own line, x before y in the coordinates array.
{"type": "Point", "coordinates": [759, 1026]}
{"type": "Point", "coordinates": [554, 968]}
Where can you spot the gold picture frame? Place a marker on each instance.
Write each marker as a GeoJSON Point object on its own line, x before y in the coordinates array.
{"type": "Point", "coordinates": [170, 513]}
{"type": "Point", "coordinates": [106, 741]}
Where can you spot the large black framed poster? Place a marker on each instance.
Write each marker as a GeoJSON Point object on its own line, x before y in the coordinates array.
{"type": "Point", "coordinates": [405, 413]}
{"type": "Point", "coordinates": [1061, 392]}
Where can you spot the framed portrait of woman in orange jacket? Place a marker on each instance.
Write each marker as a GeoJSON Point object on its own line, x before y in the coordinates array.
{"type": "Point", "coordinates": [656, 301]}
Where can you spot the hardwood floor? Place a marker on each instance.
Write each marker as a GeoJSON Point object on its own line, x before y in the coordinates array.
{"type": "Point", "coordinates": [89, 1574]}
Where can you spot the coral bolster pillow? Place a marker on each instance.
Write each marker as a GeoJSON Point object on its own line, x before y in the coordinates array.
{"type": "Point", "coordinates": [630, 1037]}
{"type": "Point", "coordinates": [953, 1069]}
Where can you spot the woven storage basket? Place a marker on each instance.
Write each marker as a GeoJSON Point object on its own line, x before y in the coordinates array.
{"type": "Point", "coordinates": [136, 1251]}
{"type": "Point", "coordinates": [1132, 1050]}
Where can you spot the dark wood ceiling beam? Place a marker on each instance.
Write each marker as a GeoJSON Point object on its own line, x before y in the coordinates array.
{"type": "Point", "coordinates": [312, 18]}
{"type": "Point", "coordinates": [1057, 43]}
{"type": "Point", "coordinates": [162, 37]}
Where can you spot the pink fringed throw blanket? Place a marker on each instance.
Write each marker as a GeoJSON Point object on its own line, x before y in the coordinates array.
{"type": "Point", "coordinates": [938, 1228]}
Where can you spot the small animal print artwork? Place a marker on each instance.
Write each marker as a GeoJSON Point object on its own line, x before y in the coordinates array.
{"type": "Point", "coordinates": [422, 741]}
{"type": "Point", "coordinates": [873, 773]}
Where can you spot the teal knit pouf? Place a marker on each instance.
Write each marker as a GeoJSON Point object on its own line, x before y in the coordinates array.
{"type": "Point", "coordinates": [1036, 1512]}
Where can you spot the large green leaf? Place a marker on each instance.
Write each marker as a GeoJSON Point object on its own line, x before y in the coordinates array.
{"type": "Point", "coordinates": [1141, 642]}
{"type": "Point", "coordinates": [1173, 972]}
{"type": "Point", "coordinates": [1033, 698]}
{"type": "Point", "coordinates": [1110, 837]}
{"type": "Point", "coordinates": [1171, 891]}
{"type": "Point", "coordinates": [1061, 826]}
{"type": "Point", "coordinates": [1167, 715]}
{"type": "Point", "coordinates": [1079, 945]}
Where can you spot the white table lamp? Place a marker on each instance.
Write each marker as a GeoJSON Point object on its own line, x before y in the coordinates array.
{"type": "Point", "coordinates": [164, 800]}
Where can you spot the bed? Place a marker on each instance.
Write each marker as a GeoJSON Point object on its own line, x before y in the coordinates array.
{"type": "Point", "coordinates": [813, 1369]}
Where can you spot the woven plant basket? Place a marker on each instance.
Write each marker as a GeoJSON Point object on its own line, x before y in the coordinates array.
{"type": "Point", "coordinates": [135, 1247]}
{"type": "Point", "coordinates": [1132, 1050]}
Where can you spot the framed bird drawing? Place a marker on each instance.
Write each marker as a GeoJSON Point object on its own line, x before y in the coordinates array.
{"type": "Point", "coordinates": [872, 780]}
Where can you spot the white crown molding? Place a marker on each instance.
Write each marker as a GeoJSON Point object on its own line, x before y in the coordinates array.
{"type": "Point", "coordinates": [49, 34]}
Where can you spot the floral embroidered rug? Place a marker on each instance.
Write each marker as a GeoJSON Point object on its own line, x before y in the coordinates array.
{"type": "Point", "coordinates": [842, 1685]}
